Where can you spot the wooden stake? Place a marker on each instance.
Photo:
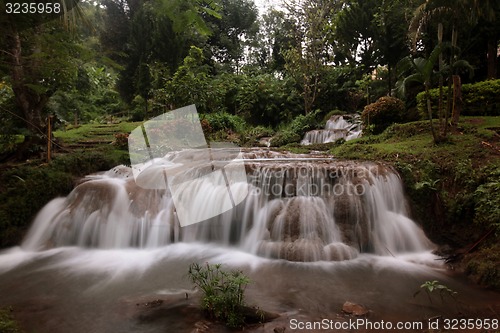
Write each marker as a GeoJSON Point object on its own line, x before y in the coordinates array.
{"type": "Point", "coordinates": [49, 139]}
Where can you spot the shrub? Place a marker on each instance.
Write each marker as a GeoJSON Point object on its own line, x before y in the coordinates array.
{"type": "Point", "coordinates": [138, 109]}
{"type": "Point", "coordinates": [332, 113]}
{"type": "Point", "coordinates": [487, 201]}
{"type": "Point", "coordinates": [295, 130]}
{"type": "Point", "coordinates": [479, 99]}
{"type": "Point", "coordinates": [223, 292]}
{"type": "Point", "coordinates": [222, 121]}
{"type": "Point", "coordinates": [284, 138]}
{"type": "Point", "coordinates": [483, 266]}
{"type": "Point", "coordinates": [383, 113]}
{"type": "Point", "coordinates": [26, 191]}
{"type": "Point", "coordinates": [121, 140]}
{"type": "Point", "coordinates": [252, 135]}
{"type": "Point", "coordinates": [7, 323]}
{"type": "Point", "coordinates": [266, 100]}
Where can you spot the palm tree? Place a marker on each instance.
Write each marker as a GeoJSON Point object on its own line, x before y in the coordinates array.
{"type": "Point", "coordinates": [423, 72]}
{"type": "Point", "coordinates": [454, 11]}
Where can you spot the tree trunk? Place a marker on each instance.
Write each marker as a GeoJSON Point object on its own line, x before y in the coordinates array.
{"type": "Point", "coordinates": [389, 78]}
{"type": "Point", "coordinates": [449, 103]}
{"type": "Point", "coordinates": [429, 112]}
{"type": "Point", "coordinates": [442, 124]}
{"type": "Point", "coordinates": [30, 103]}
{"type": "Point", "coordinates": [492, 58]}
{"type": "Point", "coordinates": [457, 100]}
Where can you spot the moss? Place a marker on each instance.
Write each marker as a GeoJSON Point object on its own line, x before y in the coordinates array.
{"type": "Point", "coordinates": [484, 266]}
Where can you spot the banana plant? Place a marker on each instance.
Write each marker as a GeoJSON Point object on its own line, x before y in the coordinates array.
{"type": "Point", "coordinates": [422, 72]}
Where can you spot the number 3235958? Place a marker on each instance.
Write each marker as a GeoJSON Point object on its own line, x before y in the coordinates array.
{"type": "Point", "coordinates": [32, 8]}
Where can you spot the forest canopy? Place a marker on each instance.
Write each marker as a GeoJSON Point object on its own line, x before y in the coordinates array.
{"type": "Point", "coordinates": [136, 59]}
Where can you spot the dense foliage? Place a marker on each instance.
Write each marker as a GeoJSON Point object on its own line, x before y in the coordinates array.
{"type": "Point", "coordinates": [137, 58]}
{"type": "Point", "coordinates": [479, 99]}
{"type": "Point", "coordinates": [383, 113]}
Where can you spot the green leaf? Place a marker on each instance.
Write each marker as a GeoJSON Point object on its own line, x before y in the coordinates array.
{"type": "Point", "coordinates": [37, 88]}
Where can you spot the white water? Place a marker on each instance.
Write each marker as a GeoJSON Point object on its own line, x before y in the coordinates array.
{"type": "Point", "coordinates": [93, 259]}
{"type": "Point", "coordinates": [337, 127]}
{"type": "Point", "coordinates": [72, 289]}
{"type": "Point", "coordinates": [297, 209]}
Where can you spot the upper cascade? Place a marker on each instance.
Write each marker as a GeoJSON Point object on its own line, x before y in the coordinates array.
{"type": "Point", "coordinates": [345, 127]}
{"type": "Point", "coordinates": [298, 207]}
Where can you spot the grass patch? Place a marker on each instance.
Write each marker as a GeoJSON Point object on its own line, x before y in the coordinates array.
{"type": "Point", "coordinates": [414, 139]}
{"type": "Point", "coordinates": [105, 132]}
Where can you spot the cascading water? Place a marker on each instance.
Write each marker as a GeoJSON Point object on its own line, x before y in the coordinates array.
{"type": "Point", "coordinates": [298, 208]}
{"type": "Point", "coordinates": [112, 256]}
{"type": "Point", "coordinates": [345, 127]}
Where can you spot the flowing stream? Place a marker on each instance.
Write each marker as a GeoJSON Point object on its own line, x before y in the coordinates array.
{"type": "Point", "coordinates": [345, 127]}
{"type": "Point", "coordinates": [312, 233]}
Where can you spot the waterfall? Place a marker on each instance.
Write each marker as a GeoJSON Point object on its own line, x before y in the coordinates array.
{"type": "Point", "coordinates": [345, 127]}
{"type": "Point", "coordinates": [297, 208]}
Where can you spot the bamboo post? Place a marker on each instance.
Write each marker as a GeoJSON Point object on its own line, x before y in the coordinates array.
{"type": "Point", "coordinates": [49, 139]}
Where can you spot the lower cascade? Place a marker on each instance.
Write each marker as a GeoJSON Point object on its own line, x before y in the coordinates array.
{"type": "Point", "coordinates": [298, 208]}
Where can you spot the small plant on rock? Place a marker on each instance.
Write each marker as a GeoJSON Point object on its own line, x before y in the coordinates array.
{"type": "Point", "coordinates": [434, 286]}
{"type": "Point", "coordinates": [223, 292]}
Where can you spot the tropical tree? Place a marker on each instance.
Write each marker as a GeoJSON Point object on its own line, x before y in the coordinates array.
{"type": "Point", "coordinates": [232, 32]}
{"type": "Point", "coordinates": [189, 84]}
{"type": "Point", "coordinates": [141, 34]}
{"type": "Point", "coordinates": [422, 72]}
{"type": "Point", "coordinates": [306, 61]}
{"type": "Point", "coordinates": [40, 57]}
{"type": "Point", "coordinates": [454, 13]}
{"type": "Point", "coordinates": [372, 33]}
{"type": "Point", "coordinates": [276, 38]}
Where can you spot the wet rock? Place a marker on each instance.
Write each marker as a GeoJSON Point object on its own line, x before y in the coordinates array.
{"type": "Point", "coordinates": [354, 309]}
{"type": "Point", "coordinates": [301, 217]}
{"type": "Point", "coordinates": [151, 304]}
{"type": "Point", "coordinates": [254, 315]}
{"type": "Point", "coordinates": [339, 252]}
{"type": "Point", "coordinates": [302, 250]}
{"type": "Point", "coordinates": [279, 329]}
{"type": "Point", "coordinates": [342, 209]}
{"type": "Point", "coordinates": [201, 327]}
